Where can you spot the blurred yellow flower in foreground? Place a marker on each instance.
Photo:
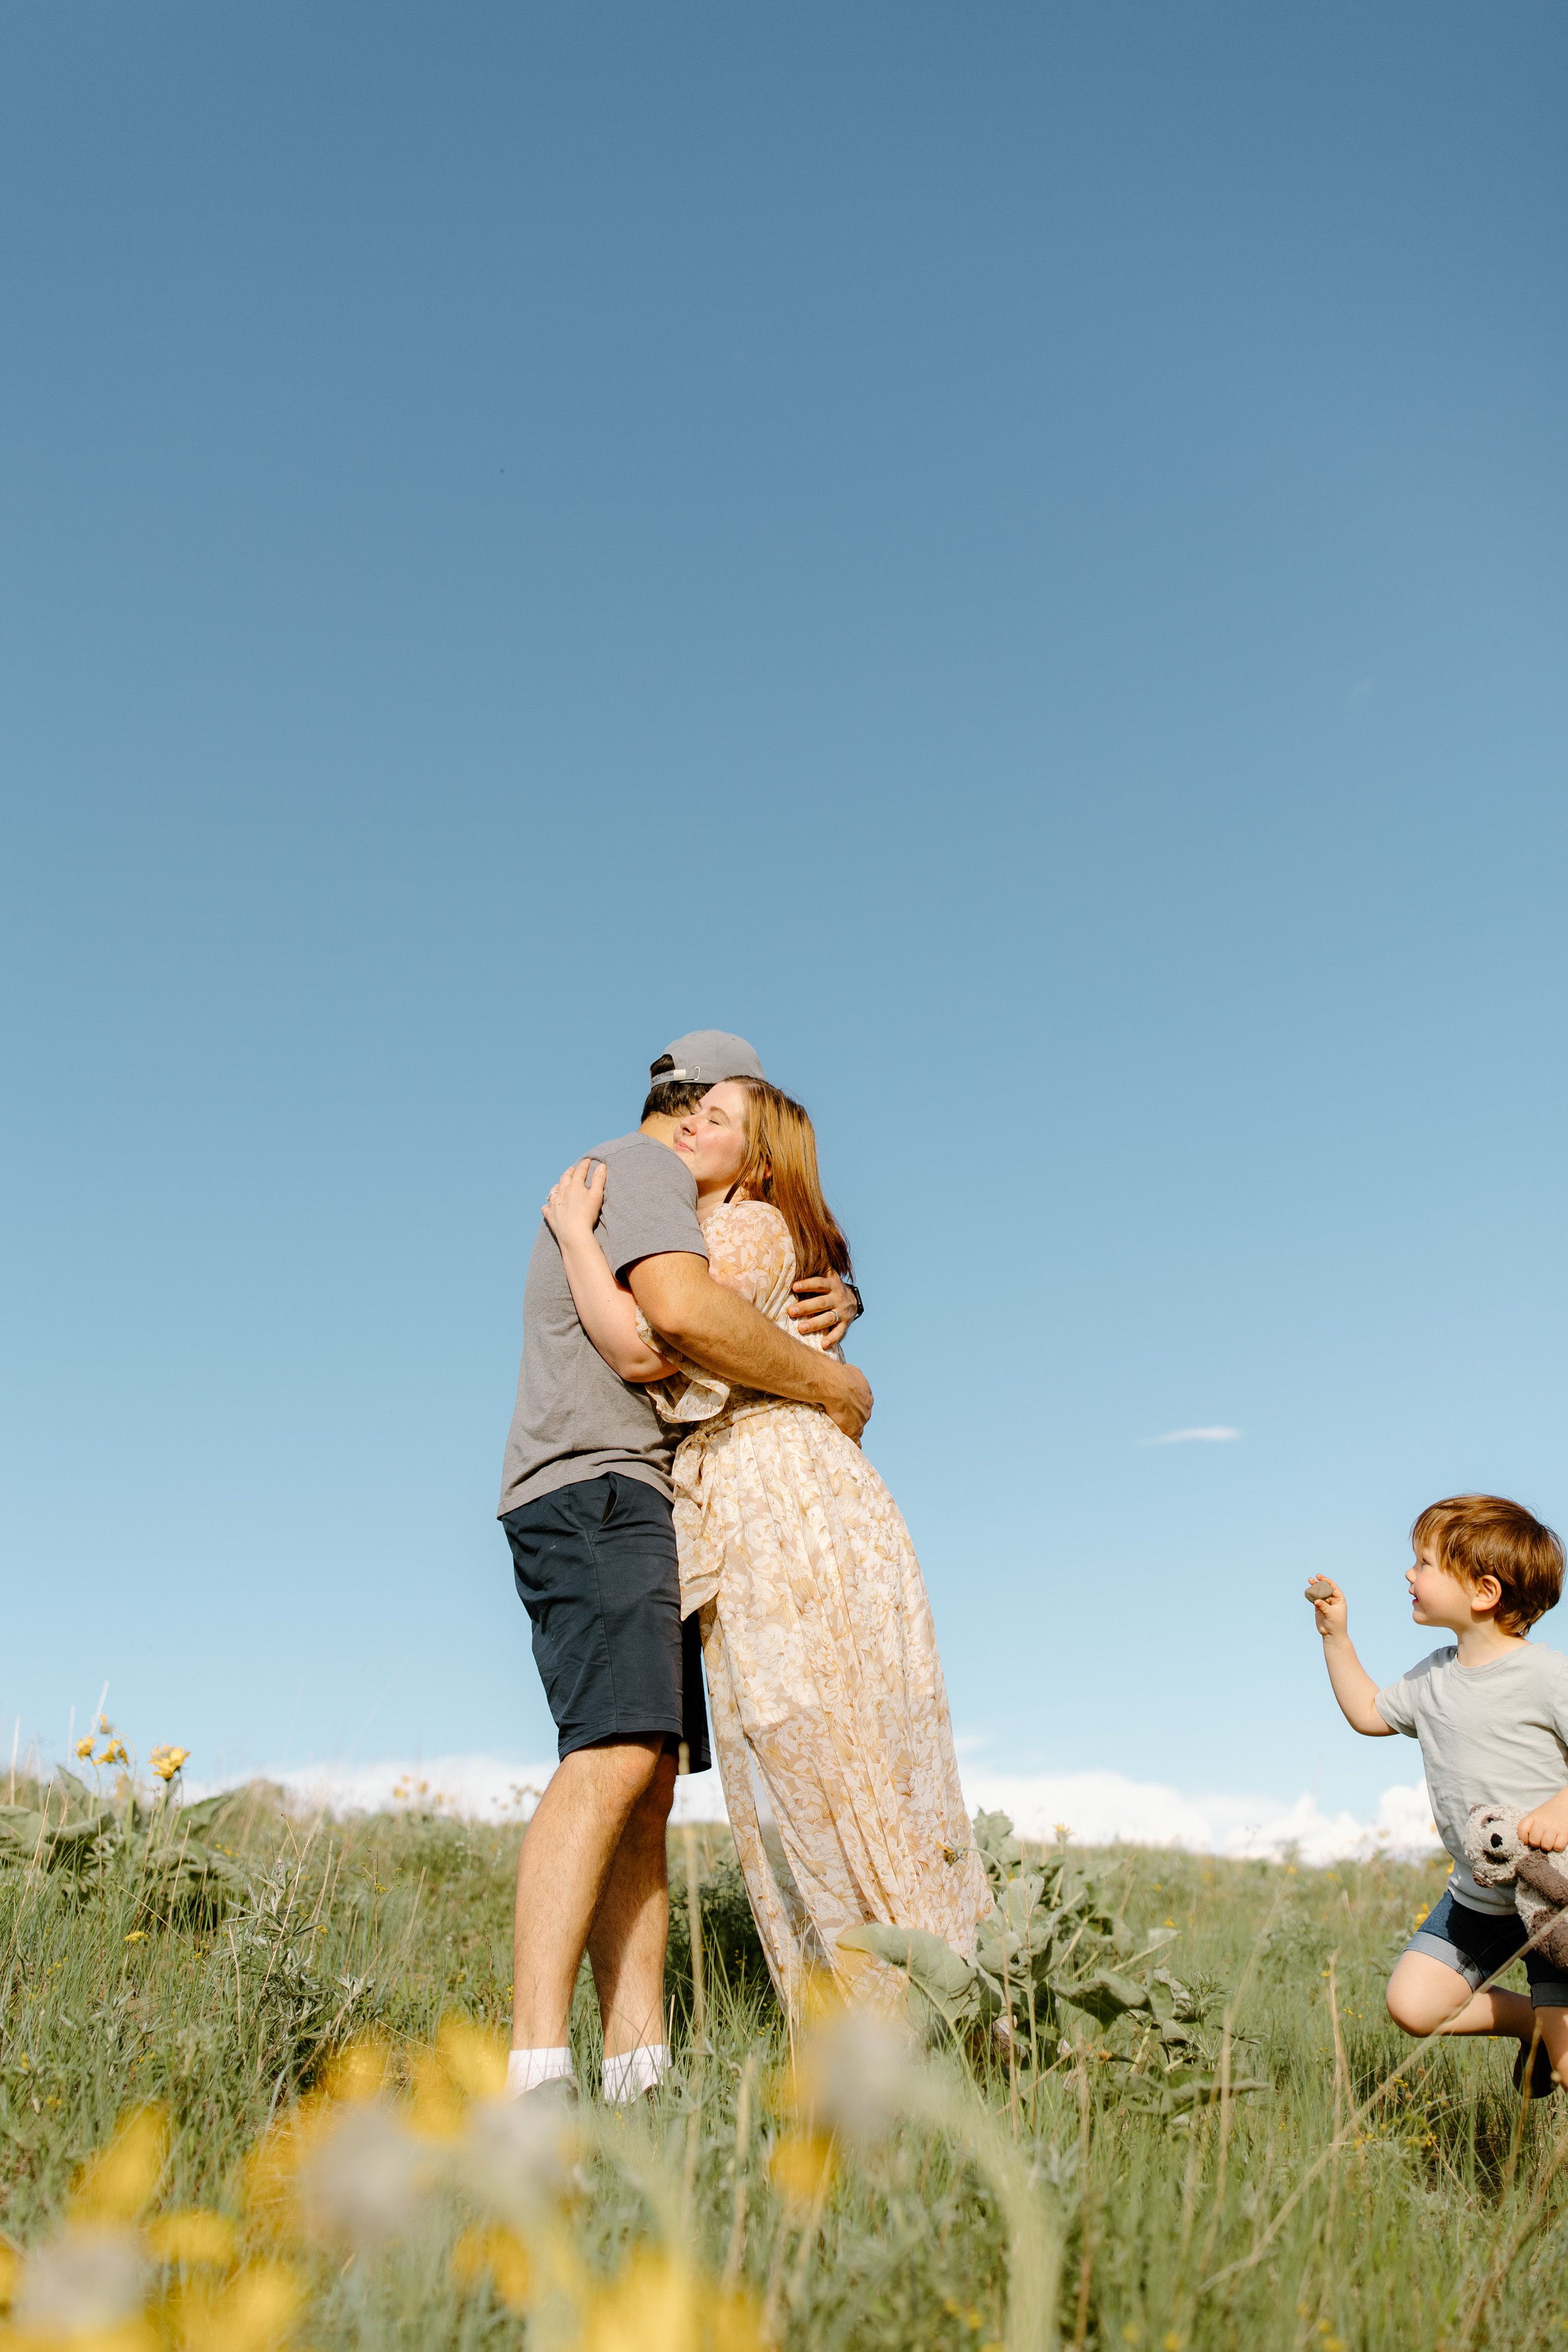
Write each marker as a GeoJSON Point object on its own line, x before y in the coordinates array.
{"type": "Point", "coordinates": [166, 1761]}
{"type": "Point", "coordinates": [84, 1745]}
{"type": "Point", "coordinates": [499, 2256]}
{"type": "Point", "coordinates": [254, 2312]}
{"type": "Point", "coordinates": [660, 2305]}
{"type": "Point", "coordinates": [115, 1753]}
{"type": "Point", "coordinates": [194, 2239]}
{"type": "Point", "coordinates": [118, 2183]}
{"type": "Point", "coordinates": [476, 2060]}
{"type": "Point", "coordinates": [801, 2167]}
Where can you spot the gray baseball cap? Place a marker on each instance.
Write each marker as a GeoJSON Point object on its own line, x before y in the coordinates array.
{"type": "Point", "coordinates": [702, 1057]}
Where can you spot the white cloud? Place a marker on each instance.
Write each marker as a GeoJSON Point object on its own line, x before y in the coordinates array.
{"type": "Point", "coordinates": [1214, 1436]}
{"type": "Point", "coordinates": [1100, 1808]}
{"type": "Point", "coordinates": [1107, 1807]}
{"type": "Point", "coordinates": [477, 1788]}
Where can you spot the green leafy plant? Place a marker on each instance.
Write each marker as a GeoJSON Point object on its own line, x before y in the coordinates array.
{"type": "Point", "coordinates": [1055, 1940]}
{"type": "Point", "coordinates": [161, 1850]}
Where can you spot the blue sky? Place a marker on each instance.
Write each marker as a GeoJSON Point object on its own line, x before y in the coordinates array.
{"type": "Point", "coordinates": [1016, 557]}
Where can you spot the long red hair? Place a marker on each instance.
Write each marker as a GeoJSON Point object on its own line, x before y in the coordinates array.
{"type": "Point", "coordinates": [780, 1167]}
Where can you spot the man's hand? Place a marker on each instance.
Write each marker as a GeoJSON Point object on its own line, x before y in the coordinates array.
{"type": "Point", "coordinates": [1330, 1603]}
{"type": "Point", "coordinates": [822, 1306]}
{"type": "Point", "coordinates": [1547, 1826]}
{"type": "Point", "coordinates": [851, 1410]}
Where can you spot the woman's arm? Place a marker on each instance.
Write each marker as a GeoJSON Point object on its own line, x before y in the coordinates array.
{"type": "Point", "coordinates": [608, 1313]}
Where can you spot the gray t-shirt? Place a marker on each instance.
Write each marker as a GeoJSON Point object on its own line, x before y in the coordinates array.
{"type": "Point", "coordinates": [574, 1419]}
{"type": "Point", "coordinates": [1491, 1735]}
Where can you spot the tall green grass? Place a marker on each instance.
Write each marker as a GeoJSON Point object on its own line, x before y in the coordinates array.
{"type": "Point", "coordinates": [1326, 2213]}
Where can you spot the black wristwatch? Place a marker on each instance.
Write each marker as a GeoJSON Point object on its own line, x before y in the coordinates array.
{"type": "Point", "coordinates": [859, 1302]}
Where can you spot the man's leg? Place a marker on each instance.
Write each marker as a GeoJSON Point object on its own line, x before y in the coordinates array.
{"type": "Point", "coordinates": [567, 1855]}
{"type": "Point", "coordinates": [631, 1928]}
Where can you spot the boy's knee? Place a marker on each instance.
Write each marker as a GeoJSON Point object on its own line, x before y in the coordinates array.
{"type": "Point", "coordinates": [1406, 2014]}
{"type": "Point", "coordinates": [1418, 2007]}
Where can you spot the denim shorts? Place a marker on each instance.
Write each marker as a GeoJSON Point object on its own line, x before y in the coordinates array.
{"type": "Point", "coordinates": [1476, 1944]}
{"type": "Point", "coordinates": [596, 1568]}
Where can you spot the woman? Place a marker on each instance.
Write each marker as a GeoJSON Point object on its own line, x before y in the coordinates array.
{"type": "Point", "coordinates": [829, 1712]}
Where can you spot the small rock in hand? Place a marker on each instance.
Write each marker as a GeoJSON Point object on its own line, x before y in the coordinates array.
{"type": "Point", "coordinates": [1321, 1587]}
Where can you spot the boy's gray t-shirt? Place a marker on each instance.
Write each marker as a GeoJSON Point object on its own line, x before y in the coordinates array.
{"type": "Point", "coordinates": [574, 1419]}
{"type": "Point", "coordinates": [1491, 1735]}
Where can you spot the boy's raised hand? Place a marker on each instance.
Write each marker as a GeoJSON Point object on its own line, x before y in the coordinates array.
{"type": "Point", "coordinates": [1329, 1604]}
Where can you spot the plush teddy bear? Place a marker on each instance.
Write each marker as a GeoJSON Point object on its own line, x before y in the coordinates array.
{"type": "Point", "coordinates": [1500, 1858]}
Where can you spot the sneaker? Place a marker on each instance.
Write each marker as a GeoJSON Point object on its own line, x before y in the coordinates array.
{"type": "Point", "coordinates": [1542, 2081]}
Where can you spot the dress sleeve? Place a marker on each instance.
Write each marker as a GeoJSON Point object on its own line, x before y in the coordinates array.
{"type": "Point", "coordinates": [749, 1252]}
{"type": "Point", "coordinates": [690, 1394]}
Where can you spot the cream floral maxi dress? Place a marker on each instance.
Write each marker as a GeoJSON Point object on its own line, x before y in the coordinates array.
{"type": "Point", "coordinates": [830, 1711]}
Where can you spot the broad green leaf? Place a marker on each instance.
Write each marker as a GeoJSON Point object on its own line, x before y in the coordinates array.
{"type": "Point", "coordinates": [1185, 2088]}
{"type": "Point", "coordinates": [206, 1811]}
{"type": "Point", "coordinates": [69, 1833]}
{"type": "Point", "coordinates": [1104, 1995]}
{"type": "Point", "coordinates": [941, 1981]}
{"type": "Point", "coordinates": [999, 1848]}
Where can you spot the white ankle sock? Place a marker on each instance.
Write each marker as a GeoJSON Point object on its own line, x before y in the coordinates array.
{"type": "Point", "coordinates": [526, 2069]}
{"type": "Point", "coordinates": [635, 2070]}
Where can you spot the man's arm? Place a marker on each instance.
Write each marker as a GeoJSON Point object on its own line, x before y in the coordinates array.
{"type": "Point", "coordinates": [727, 1337]}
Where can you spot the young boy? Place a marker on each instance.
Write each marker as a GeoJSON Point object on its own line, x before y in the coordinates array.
{"type": "Point", "coordinates": [1490, 1710]}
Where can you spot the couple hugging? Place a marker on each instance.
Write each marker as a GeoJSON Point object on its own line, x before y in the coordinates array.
{"type": "Point", "coordinates": [684, 1485]}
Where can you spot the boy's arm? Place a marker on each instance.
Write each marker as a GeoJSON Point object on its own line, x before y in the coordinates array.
{"type": "Point", "coordinates": [1352, 1686]}
{"type": "Point", "coordinates": [725, 1335]}
{"type": "Point", "coordinates": [1547, 1826]}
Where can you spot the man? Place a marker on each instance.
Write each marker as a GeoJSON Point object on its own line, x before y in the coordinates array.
{"type": "Point", "coordinates": [586, 1503]}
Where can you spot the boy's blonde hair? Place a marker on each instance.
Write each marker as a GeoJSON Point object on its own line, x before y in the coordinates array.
{"type": "Point", "coordinates": [1484, 1535]}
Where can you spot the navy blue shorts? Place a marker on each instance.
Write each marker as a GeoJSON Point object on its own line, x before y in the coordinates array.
{"type": "Point", "coordinates": [596, 1568]}
{"type": "Point", "coordinates": [1477, 1943]}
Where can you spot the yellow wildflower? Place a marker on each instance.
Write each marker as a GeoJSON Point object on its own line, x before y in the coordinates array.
{"type": "Point", "coordinates": [166, 1761]}
{"type": "Point", "coordinates": [254, 2312]}
{"type": "Point", "coordinates": [801, 2167]}
{"type": "Point", "coordinates": [657, 2306]}
{"type": "Point", "coordinates": [194, 2239]}
{"type": "Point", "coordinates": [118, 2183]}
{"type": "Point", "coordinates": [499, 2256]}
{"type": "Point", "coordinates": [84, 1745]}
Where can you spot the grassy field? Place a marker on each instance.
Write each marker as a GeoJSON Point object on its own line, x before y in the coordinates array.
{"type": "Point", "coordinates": [277, 2192]}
